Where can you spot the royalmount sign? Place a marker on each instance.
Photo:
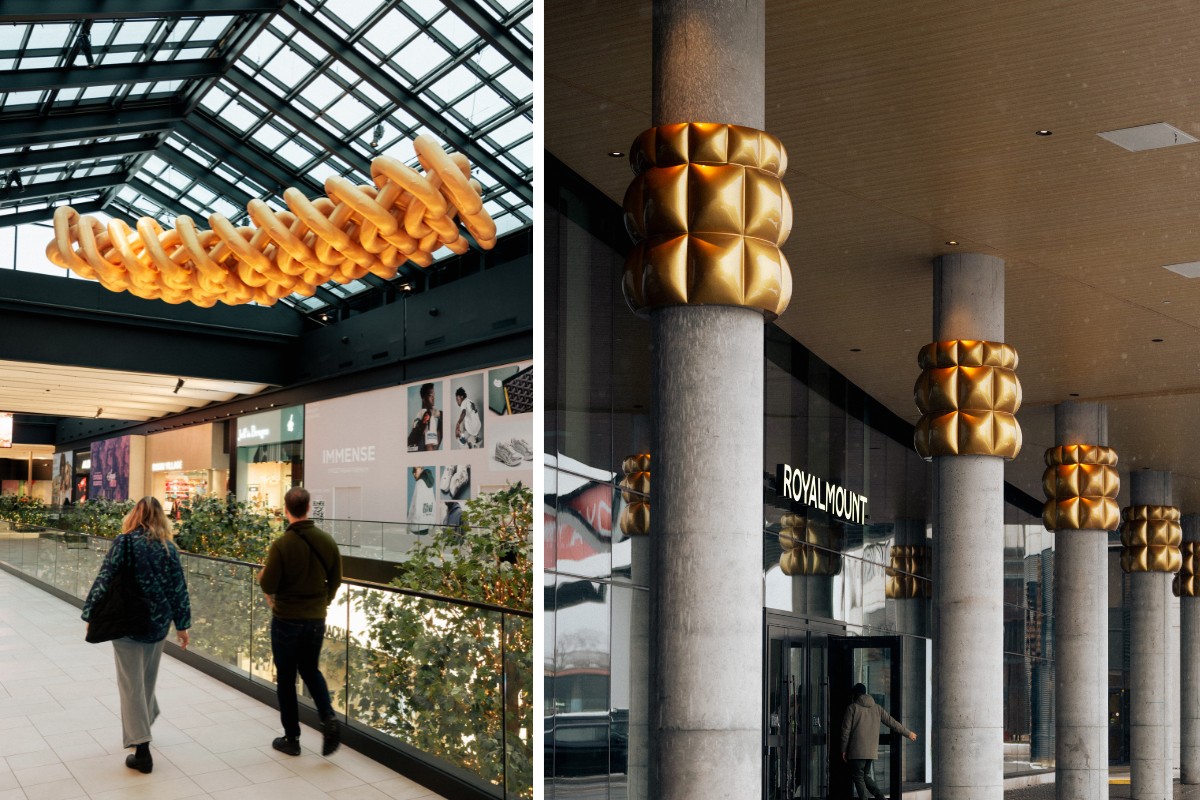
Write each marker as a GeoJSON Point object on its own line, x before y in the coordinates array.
{"type": "Point", "coordinates": [801, 487]}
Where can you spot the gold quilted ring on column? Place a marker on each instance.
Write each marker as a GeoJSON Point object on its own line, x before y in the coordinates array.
{"type": "Point", "coordinates": [808, 549]}
{"type": "Point", "coordinates": [908, 575]}
{"type": "Point", "coordinates": [707, 212]}
{"type": "Point", "coordinates": [1151, 536]}
{"type": "Point", "coordinates": [1185, 583]}
{"type": "Point", "coordinates": [968, 394]}
{"type": "Point", "coordinates": [1081, 485]}
{"type": "Point", "coordinates": [635, 489]}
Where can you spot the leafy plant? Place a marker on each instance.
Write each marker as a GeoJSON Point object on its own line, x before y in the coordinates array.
{"type": "Point", "coordinates": [226, 528]}
{"type": "Point", "coordinates": [98, 516]}
{"type": "Point", "coordinates": [23, 511]}
{"type": "Point", "coordinates": [456, 681]}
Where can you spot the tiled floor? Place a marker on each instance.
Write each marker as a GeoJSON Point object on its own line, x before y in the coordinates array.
{"type": "Point", "coordinates": [60, 727]}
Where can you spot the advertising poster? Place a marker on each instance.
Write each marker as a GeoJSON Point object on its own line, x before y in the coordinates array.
{"type": "Point", "coordinates": [64, 466]}
{"type": "Point", "coordinates": [417, 453]}
{"type": "Point", "coordinates": [6, 429]}
{"type": "Point", "coordinates": [110, 469]}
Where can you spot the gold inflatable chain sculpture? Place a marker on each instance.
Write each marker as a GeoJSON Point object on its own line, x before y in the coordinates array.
{"type": "Point", "coordinates": [406, 215]}
{"type": "Point", "coordinates": [1151, 536]}
{"type": "Point", "coordinates": [1185, 583]}
{"type": "Point", "coordinates": [707, 212]}
{"type": "Point", "coordinates": [968, 394]}
{"type": "Point", "coordinates": [635, 490]}
{"type": "Point", "coordinates": [908, 575]}
{"type": "Point", "coordinates": [808, 549]}
{"type": "Point", "coordinates": [1081, 485]}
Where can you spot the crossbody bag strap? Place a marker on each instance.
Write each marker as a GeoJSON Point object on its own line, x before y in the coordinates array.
{"type": "Point", "coordinates": [313, 548]}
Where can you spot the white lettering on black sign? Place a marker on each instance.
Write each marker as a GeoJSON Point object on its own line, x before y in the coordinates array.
{"type": "Point", "coordinates": [800, 486]}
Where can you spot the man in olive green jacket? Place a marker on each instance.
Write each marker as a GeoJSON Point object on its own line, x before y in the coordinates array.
{"type": "Point", "coordinates": [860, 739]}
{"type": "Point", "coordinates": [300, 579]}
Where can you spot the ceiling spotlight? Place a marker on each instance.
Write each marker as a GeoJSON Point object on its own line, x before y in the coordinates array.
{"type": "Point", "coordinates": [178, 386]}
{"type": "Point", "coordinates": [952, 242]}
{"type": "Point", "coordinates": [1156, 340]}
{"type": "Point", "coordinates": [615, 154]}
{"type": "Point", "coordinates": [377, 135]}
{"type": "Point", "coordinates": [99, 411]}
{"type": "Point", "coordinates": [1043, 132]}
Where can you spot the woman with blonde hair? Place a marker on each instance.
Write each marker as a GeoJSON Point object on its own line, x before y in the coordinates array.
{"type": "Point", "coordinates": [146, 538]}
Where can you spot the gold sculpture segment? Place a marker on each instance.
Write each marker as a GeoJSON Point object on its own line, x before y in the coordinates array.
{"type": "Point", "coordinates": [406, 215]}
{"type": "Point", "coordinates": [908, 575]}
{"type": "Point", "coordinates": [708, 212]}
{"type": "Point", "coordinates": [1081, 485]}
{"type": "Point", "coordinates": [1152, 537]}
{"type": "Point", "coordinates": [808, 549]}
{"type": "Point", "coordinates": [968, 395]}
{"type": "Point", "coordinates": [635, 491]}
{"type": "Point", "coordinates": [1185, 583]}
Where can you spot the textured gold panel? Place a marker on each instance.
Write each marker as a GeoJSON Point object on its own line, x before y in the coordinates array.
{"type": "Point", "coordinates": [968, 395]}
{"type": "Point", "coordinates": [1081, 484]}
{"type": "Point", "coordinates": [807, 548]}
{"type": "Point", "coordinates": [707, 211]}
{"type": "Point", "coordinates": [909, 573]}
{"type": "Point", "coordinates": [635, 491]}
{"type": "Point", "coordinates": [1186, 583]}
{"type": "Point", "coordinates": [1151, 536]}
{"type": "Point", "coordinates": [405, 216]}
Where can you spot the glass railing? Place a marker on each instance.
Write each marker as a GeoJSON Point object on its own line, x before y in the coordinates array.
{"type": "Point", "coordinates": [449, 678]}
{"type": "Point", "coordinates": [382, 541]}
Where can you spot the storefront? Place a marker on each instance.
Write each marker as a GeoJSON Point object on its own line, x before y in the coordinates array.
{"type": "Point", "coordinates": [270, 455]}
{"type": "Point", "coordinates": [187, 463]}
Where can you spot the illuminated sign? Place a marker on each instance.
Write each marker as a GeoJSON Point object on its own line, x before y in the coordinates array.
{"type": "Point", "coordinates": [800, 487]}
{"type": "Point", "coordinates": [6, 429]}
{"type": "Point", "coordinates": [253, 433]}
{"type": "Point", "coordinates": [165, 466]}
{"type": "Point", "coordinates": [85, 464]}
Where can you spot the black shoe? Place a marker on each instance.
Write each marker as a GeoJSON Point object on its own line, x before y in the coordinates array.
{"type": "Point", "coordinates": [287, 744]}
{"type": "Point", "coordinates": [142, 764]}
{"type": "Point", "coordinates": [333, 736]}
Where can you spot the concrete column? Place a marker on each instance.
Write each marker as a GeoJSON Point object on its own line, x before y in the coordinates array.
{"type": "Point", "coordinates": [911, 615]}
{"type": "Point", "coordinates": [706, 495]}
{"type": "Point", "coordinates": [1081, 633]}
{"type": "Point", "coordinates": [1150, 764]}
{"type": "Point", "coordinates": [968, 542]}
{"type": "Point", "coordinates": [1189, 661]}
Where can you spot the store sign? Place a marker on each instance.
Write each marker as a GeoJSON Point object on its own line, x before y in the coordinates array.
{"type": "Point", "coordinates": [348, 455]}
{"type": "Point", "coordinates": [253, 434]}
{"type": "Point", "coordinates": [271, 427]}
{"type": "Point", "coordinates": [809, 490]}
{"type": "Point", "coordinates": [166, 466]}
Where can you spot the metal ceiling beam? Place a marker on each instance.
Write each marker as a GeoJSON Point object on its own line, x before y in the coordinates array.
{"type": "Point", "coordinates": [23, 130]}
{"type": "Point", "coordinates": [75, 77]}
{"type": "Point", "coordinates": [33, 191]}
{"type": "Point", "coordinates": [405, 98]}
{"type": "Point", "coordinates": [294, 117]}
{"type": "Point", "coordinates": [245, 157]}
{"type": "Point", "coordinates": [504, 40]}
{"type": "Point", "coordinates": [205, 176]}
{"type": "Point", "coordinates": [45, 214]}
{"type": "Point", "coordinates": [169, 203]}
{"type": "Point", "coordinates": [79, 152]}
{"type": "Point", "coordinates": [70, 10]}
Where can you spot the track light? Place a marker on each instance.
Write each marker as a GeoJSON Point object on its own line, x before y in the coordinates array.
{"type": "Point", "coordinates": [178, 386]}
{"type": "Point", "coordinates": [377, 135]}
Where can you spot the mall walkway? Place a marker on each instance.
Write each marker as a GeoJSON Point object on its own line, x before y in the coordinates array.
{"type": "Point", "coordinates": [60, 729]}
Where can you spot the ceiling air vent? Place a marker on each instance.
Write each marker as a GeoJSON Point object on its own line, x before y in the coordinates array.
{"type": "Point", "coordinates": [1148, 137]}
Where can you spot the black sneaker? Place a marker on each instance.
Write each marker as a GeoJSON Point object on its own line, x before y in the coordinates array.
{"type": "Point", "coordinates": [143, 764]}
{"type": "Point", "coordinates": [333, 736]}
{"type": "Point", "coordinates": [287, 744]}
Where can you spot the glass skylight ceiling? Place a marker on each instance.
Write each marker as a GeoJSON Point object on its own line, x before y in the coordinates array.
{"type": "Point", "coordinates": [185, 113]}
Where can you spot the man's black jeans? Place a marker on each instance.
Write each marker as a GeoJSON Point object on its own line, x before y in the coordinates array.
{"type": "Point", "coordinates": [296, 647]}
{"type": "Point", "coordinates": [864, 781]}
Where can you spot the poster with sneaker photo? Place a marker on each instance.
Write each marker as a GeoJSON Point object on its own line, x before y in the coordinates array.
{"type": "Point", "coordinates": [509, 444]}
{"type": "Point", "coordinates": [465, 412]}
{"type": "Point", "coordinates": [455, 483]}
{"type": "Point", "coordinates": [423, 505]}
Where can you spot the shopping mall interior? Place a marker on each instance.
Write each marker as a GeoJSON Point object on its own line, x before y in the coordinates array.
{"type": "Point", "coordinates": [247, 245]}
{"type": "Point", "coordinates": [1056, 141]}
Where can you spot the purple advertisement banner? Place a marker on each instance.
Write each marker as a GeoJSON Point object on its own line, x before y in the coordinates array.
{"type": "Point", "coordinates": [110, 469]}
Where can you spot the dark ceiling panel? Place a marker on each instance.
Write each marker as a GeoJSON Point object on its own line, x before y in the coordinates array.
{"type": "Point", "coordinates": [33, 191]}
{"type": "Point", "coordinates": [21, 130]}
{"type": "Point", "coordinates": [71, 10]}
{"type": "Point", "coordinates": [80, 152]}
{"type": "Point", "coordinates": [26, 80]}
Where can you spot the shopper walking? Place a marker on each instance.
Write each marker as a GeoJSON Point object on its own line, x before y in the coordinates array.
{"type": "Point", "coordinates": [860, 739]}
{"type": "Point", "coordinates": [301, 577]}
{"type": "Point", "coordinates": [146, 542]}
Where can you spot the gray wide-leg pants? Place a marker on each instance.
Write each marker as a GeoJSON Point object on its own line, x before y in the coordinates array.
{"type": "Point", "coordinates": [137, 672]}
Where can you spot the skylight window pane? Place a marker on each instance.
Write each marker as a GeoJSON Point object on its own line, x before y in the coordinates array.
{"type": "Point", "coordinates": [319, 172]}
{"type": "Point", "coordinates": [262, 48]}
{"type": "Point", "coordinates": [134, 32]}
{"type": "Point", "coordinates": [480, 105]}
{"type": "Point", "coordinates": [457, 31]}
{"type": "Point", "coordinates": [321, 91]}
{"type": "Point", "coordinates": [349, 112]}
{"type": "Point", "coordinates": [211, 27]}
{"type": "Point", "coordinates": [351, 12]}
{"type": "Point", "coordinates": [490, 60]}
{"type": "Point", "coordinates": [455, 83]}
{"type": "Point", "coordinates": [392, 29]}
{"type": "Point", "coordinates": [307, 46]}
{"type": "Point", "coordinates": [238, 116]}
{"type": "Point", "coordinates": [225, 208]}
{"type": "Point", "coordinates": [22, 98]}
{"type": "Point", "coordinates": [54, 36]}
{"type": "Point", "coordinates": [181, 32]}
{"type": "Point", "coordinates": [288, 66]}
{"type": "Point", "coordinates": [119, 57]}
{"type": "Point", "coordinates": [296, 155]}
{"type": "Point", "coordinates": [426, 9]}
{"type": "Point", "coordinates": [510, 131]}
{"type": "Point", "coordinates": [11, 36]}
{"type": "Point", "coordinates": [92, 92]}
{"type": "Point", "coordinates": [515, 81]}
{"type": "Point", "coordinates": [421, 56]}
{"type": "Point", "coordinates": [7, 63]}
{"type": "Point", "coordinates": [508, 222]}
{"type": "Point", "coordinates": [202, 195]}
{"type": "Point", "coordinates": [214, 100]}
{"type": "Point", "coordinates": [269, 137]}
{"type": "Point", "coordinates": [39, 62]}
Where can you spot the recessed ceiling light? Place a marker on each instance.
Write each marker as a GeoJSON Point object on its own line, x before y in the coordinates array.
{"type": "Point", "coordinates": [952, 242]}
{"type": "Point", "coordinates": [1156, 340]}
{"type": "Point", "coordinates": [1166, 302]}
{"type": "Point", "coordinates": [1043, 132]}
{"type": "Point", "coordinates": [615, 154]}
{"type": "Point", "coordinates": [1074, 394]}
{"type": "Point", "coordinates": [855, 349]}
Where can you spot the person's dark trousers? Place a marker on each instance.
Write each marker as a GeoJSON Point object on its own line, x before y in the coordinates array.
{"type": "Point", "coordinates": [860, 773]}
{"type": "Point", "coordinates": [296, 648]}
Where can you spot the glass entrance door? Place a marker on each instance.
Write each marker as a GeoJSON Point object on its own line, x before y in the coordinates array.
{"type": "Point", "coordinates": [797, 715]}
{"type": "Point", "coordinates": [875, 662]}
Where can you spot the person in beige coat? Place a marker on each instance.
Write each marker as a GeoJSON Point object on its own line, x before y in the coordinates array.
{"type": "Point", "coordinates": [860, 739]}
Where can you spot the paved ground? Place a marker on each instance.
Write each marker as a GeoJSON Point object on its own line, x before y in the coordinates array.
{"type": "Point", "coordinates": [60, 730]}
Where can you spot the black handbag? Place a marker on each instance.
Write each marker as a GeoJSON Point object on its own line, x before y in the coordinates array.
{"type": "Point", "coordinates": [122, 610]}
